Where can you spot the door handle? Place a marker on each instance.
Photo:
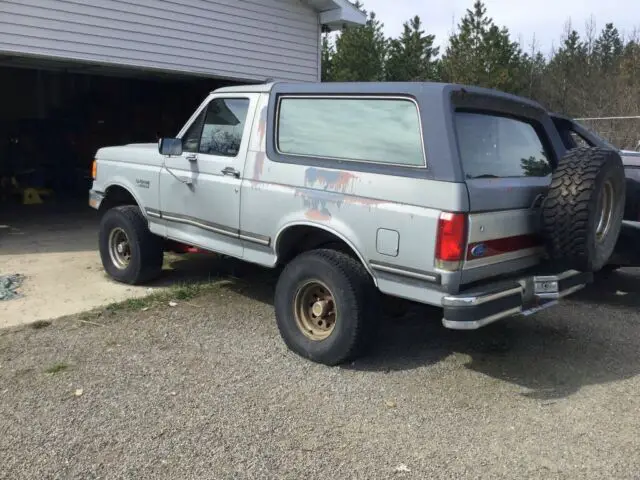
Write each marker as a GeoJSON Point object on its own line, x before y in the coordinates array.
{"type": "Point", "coordinates": [231, 172]}
{"type": "Point", "coordinates": [192, 157]}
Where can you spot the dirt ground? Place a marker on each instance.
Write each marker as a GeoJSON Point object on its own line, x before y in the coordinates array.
{"type": "Point", "coordinates": [55, 248]}
{"type": "Point", "coordinates": [207, 390]}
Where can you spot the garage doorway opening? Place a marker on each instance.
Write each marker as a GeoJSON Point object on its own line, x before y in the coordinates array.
{"type": "Point", "coordinates": [54, 119]}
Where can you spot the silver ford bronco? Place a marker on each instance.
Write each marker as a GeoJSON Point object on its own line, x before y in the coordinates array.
{"type": "Point", "coordinates": [458, 197]}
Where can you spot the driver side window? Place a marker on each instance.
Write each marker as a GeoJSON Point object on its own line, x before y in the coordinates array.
{"type": "Point", "coordinates": [191, 139]}
{"type": "Point", "coordinates": [218, 129]}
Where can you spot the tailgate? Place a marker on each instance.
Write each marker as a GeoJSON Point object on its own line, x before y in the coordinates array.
{"type": "Point", "coordinates": [507, 171]}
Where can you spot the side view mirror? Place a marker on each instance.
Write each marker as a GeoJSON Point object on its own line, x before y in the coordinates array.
{"type": "Point", "coordinates": [170, 146]}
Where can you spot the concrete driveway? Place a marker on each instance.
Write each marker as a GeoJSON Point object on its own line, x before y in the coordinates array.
{"type": "Point", "coordinates": [55, 248]}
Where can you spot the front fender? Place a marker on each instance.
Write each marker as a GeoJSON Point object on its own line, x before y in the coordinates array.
{"type": "Point", "coordinates": [126, 185]}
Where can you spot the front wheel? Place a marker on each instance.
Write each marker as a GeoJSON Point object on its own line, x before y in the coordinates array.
{"type": "Point", "coordinates": [324, 306]}
{"type": "Point", "coordinates": [130, 253]}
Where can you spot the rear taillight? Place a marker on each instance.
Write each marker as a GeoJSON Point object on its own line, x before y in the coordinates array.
{"type": "Point", "coordinates": [94, 169]}
{"type": "Point", "coordinates": [451, 240]}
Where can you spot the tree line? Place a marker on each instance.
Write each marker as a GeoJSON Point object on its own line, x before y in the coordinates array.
{"type": "Point", "coordinates": [596, 74]}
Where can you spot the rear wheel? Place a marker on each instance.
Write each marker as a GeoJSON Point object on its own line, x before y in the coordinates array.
{"type": "Point", "coordinates": [583, 211]}
{"type": "Point", "coordinates": [325, 306]}
{"type": "Point", "coordinates": [130, 253]}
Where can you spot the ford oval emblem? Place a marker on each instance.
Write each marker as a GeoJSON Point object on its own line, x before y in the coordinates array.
{"type": "Point", "coordinates": [479, 250]}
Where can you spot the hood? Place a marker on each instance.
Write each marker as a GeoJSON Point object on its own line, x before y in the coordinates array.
{"type": "Point", "coordinates": [145, 153]}
{"type": "Point", "coordinates": [142, 145]}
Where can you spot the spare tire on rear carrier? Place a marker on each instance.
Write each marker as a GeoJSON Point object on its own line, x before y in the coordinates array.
{"type": "Point", "coordinates": [582, 213]}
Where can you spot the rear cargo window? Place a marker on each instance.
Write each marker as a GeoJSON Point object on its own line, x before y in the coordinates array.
{"type": "Point", "coordinates": [353, 129]}
{"type": "Point", "coordinates": [496, 147]}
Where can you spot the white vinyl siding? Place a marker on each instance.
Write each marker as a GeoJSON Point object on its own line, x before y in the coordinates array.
{"type": "Point", "coordinates": [235, 39]}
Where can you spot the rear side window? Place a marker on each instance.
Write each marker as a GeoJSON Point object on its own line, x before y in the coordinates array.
{"type": "Point", "coordinates": [498, 147]}
{"type": "Point", "coordinates": [352, 129]}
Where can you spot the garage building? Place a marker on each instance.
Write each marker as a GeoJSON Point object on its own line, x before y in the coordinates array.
{"type": "Point", "coordinates": [79, 74]}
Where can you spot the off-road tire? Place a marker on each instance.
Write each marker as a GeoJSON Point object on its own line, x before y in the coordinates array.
{"type": "Point", "coordinates": [572, 206]}
{"type": "Point", "coordinates": [354, 297]}
{"type": "Point", "coordinates": [146, 248]}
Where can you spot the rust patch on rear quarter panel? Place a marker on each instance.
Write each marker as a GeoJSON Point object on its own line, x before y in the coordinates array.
{"type": "Point", "coordinates": [329, 179]}
{"type": "Point", "coordinates": [332, 193]}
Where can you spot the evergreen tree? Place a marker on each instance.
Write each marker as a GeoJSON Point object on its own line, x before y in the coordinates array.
{"type": "Point", "coordinates": [534, 65]}
{"type": "Point", "coordinates": [566, 75]}
{"type": "Point", "coordinates": [630, 62]}
{"type": "Point", "coordinates": [360, 52]}
{"type": "Point", "coordinates": [481, 53]}
{"type": "Point", "coordinates": [590, 75]}
{"type": "Point", "coordinates": [412, 56]}
{"type": "Point", "coordinates": [608, 48]}
{"type": "Point", "coordinates": [327, 58]}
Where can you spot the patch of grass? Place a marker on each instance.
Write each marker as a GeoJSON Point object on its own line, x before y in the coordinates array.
{"type": "Point", "coordinates": [177, 292]}
{"type": "Point", "coordinates": [90, 315]}
{"type": "Point", "coordinates": [129, 304]}
{"type": "Point", "coordinates": [40, 324]}
{"type": "Point", "coordinates": [56, 368]}
{"type": "Point", "coordinates": [190, 290]}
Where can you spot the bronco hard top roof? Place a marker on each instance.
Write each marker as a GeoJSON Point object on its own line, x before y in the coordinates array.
{"type": "Point", "coordinates": [417, 89]}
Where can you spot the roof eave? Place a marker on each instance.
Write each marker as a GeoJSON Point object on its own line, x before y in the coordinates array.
{"type": "Point", "coordinates": [336, 14]}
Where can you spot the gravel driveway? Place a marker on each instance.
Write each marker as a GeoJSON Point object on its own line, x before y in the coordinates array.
{"type": "Point", "coordinates": [206, 389]}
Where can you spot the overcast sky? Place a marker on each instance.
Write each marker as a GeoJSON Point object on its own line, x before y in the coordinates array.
{"type": "Point", "coordinates": [524, 18]}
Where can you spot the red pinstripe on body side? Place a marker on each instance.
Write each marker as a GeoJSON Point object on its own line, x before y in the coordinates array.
{"type": "Point", "coordinates": [500, 246]}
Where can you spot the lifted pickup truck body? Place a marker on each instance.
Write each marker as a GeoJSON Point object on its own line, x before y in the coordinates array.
{"type": "Point", "coordinates": [434, 189]}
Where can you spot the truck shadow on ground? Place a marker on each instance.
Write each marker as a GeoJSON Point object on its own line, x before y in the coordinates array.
{"type": "Point", "coordinates": [619, 289]}
{"type": "Point", "coordinates": [551, 355]}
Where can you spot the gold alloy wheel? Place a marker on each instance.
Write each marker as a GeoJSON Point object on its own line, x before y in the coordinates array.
{"type": "Point", "coordinates": [315, 310]}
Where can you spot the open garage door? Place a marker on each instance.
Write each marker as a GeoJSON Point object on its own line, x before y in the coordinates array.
{"type": "Point", "coordinates": [55, 116]}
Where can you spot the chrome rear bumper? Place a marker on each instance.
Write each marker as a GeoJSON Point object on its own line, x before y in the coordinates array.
{"type": "Point", "coordinates": [479, 307]}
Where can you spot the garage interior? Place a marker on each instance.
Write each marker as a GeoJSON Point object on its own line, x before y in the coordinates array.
{"type": "Point", "coordinates": [56, 115]}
